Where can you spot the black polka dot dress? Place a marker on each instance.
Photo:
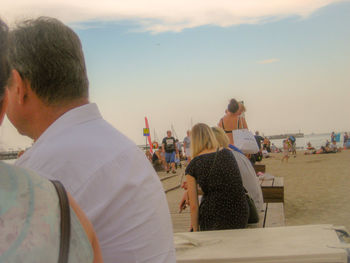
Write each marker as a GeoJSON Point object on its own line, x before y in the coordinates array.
{"type": "Point", "coordinates": [224, 205]}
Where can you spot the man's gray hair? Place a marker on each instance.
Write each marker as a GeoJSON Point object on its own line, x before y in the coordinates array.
{"type": "Point", "coordinates": [49, 55]}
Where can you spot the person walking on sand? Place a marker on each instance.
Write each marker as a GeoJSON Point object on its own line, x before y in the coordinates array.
{"type": "Point", "coordinates": [108, 175]}
{"type": "Point", "coordinates": [285, 151]}
{"type": "Point", "coordinates": [170, 149]}
{"type": "Point", "coordinates": [292, 141]}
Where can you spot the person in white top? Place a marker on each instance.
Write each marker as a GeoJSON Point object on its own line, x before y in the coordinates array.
{"type": "Point", "coordinates": [105, 172]}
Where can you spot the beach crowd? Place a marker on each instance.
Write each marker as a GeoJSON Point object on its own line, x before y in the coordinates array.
{"type": "Point", "coordinates": [83, 169]}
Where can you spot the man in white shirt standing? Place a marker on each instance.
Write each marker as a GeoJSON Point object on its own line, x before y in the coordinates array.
{"type": "Point", "coordinates": [104, 171]}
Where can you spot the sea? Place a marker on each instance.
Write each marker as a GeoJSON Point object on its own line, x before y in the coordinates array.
{"type": "Point", "coordinates": [316, 140]}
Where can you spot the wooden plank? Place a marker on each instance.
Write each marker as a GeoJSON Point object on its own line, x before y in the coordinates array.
{"type": "Point", "coordinates": [273, 194]}
{"type": "Point", "coordinates": [181, 221]}
{"type": "Point", "coordinates": [259, 168]}
{"type": "Point", "coordinates": [266, 183]}
{"type": "Point", "coordinates": [262, 216]}
{"type": "Point", "coordinates": [278, 181]}
{"type": "Point", "coordinates": [273, 190]}
{"type": "Point", "coordinates": [274, 215]}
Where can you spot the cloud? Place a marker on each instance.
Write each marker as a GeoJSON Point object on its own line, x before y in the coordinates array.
{"type": "Point", "coordinates": [163, 15]}
{"type": "Point", "coordinates": [268, 61]}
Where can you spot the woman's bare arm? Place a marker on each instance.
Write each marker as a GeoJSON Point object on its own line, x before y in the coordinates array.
{"type": "Point", "coordinates": [89, 230]}
{"type": "Point", "coordinates": [193, 198]}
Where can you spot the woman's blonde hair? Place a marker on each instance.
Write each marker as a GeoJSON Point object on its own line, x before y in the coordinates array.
{"type": "Point", "coordinates": [221, 137]}
{"type": "Point", "coordinates": [202, 138]}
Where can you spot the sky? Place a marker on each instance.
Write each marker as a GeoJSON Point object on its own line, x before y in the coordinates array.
{"type": "Point", "coordinates": [180, 62]}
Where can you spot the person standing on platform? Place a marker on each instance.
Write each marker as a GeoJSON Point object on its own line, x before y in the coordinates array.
{"type": "Point", "coordinates": [107, 174]}
{"type": "Point", "coordinates": [187, 147]}
{"type": "Point", "coordinates": [169, 147]}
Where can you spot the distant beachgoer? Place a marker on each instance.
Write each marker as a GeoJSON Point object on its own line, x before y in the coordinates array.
{"type": "Point", "coordinates": [310, 149]}
{"type": "Point", "coordinates": [158, 160]}
{"type": "Point", "coordinates": [335, 148]}
{"type": "Point", "coordinates": [327, 143]}
{"type": "Point", "coordinates": [234, 116]}
{"type": "Point", "coordinates": [292, 141]}
{"type": "Point", "coordinates": [286, 147]}
{"type": "Point", "coordinates": [309, 146]}
{"type": "Point", "coordinates": [266, 144]}
{"type": "Point", "coordinates": [259, 139]}
{"type": "Point", "coordinates": [106, 173]}
{"type": "Point", "coordinates": [224, 204]}
{"type": "Point", "coordinates": [333, 139]}
{"type": "Point", "coordinates": [257, 157]}
{"type": "Point", "coordinates": [274, 149]}
{"type": "Point", "coordinates": [30, 213]}
{"type": "Point", "coordinates": [179, 154]}
{"type": "Point", "coordinates": [187, 146]}
{"type": "Point", "coordinates": [325, 149]}
{"type": "Point", "coordinates": [346, 138]}
{"type": "Point", "coordinates": [169, 147]}
{"type": "Point", "coordinates": [149, 155]}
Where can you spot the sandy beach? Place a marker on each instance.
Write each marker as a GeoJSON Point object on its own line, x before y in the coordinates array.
{"type": "Point", "coordinates": [316, 188]}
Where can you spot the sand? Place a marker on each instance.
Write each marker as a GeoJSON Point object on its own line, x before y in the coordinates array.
{"type": "Point", "coordinates": [317, 188]}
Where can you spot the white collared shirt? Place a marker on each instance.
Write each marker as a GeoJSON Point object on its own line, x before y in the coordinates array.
{"type": "Point", "coordinates": [249, 179]}
{"type": "Point", "coordinates": [111, 180]}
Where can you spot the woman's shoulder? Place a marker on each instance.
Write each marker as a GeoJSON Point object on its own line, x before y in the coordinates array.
{"type": "Point", "coordinates": [225, 152]}
{"type": "Point", "coordinates": [22, 176]}
{"type": "Point", "coordinates": [25, 192]}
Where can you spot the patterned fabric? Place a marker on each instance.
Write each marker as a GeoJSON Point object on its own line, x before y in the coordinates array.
{"type": "Point", "coordinates": [224, 205]}
{"type": "Point", "coordinates": [30, 220]}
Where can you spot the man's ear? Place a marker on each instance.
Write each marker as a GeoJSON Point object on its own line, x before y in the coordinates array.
{"type": "Point", "coordinates": [20, 86]}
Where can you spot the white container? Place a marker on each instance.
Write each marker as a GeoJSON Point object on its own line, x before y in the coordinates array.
{"type": "Point", "coordinates": [294, 244]}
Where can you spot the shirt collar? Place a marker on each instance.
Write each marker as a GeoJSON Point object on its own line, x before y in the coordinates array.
{"type": "Point", "coordinates": [78, 115]}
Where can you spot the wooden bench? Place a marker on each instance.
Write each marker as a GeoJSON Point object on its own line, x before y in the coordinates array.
{"type": "Point", "coordinates": [273, 190]}
{"type": "Point", "coordinates": [259, 168]}
{"type": "Point", "coordinates": [272, 215]}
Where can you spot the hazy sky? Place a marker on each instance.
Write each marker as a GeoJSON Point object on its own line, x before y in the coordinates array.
{"type": "Point", "coordinates": [179, 62]}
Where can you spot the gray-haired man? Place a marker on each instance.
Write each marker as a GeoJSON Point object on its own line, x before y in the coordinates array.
{"type": "Point", "coordinates": [104, 171]}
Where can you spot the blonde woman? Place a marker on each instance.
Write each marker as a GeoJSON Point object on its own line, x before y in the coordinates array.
{"type": "Point", "coordinates": [224, 205]}
{"type": "Point", "coordinates": [249, 178]}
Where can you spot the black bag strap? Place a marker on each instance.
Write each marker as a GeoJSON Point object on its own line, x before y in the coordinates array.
{"type": "Point", "coordinates": [65, 222]}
